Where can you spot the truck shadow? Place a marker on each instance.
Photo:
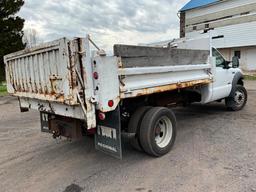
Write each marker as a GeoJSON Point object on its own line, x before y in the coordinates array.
{"type": "Point", "coordinates": [198, 110]}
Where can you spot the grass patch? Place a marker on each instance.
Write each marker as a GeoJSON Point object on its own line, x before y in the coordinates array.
{"type": "Point", "coordinates": [250, 77]}
{"type": "Point", "coordinates": [3, 90]}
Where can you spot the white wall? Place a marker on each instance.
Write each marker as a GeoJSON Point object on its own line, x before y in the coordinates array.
{"type": "Point", "coordinates": [239, 35]}
{"type": "Point", "coordinates": [251, 59]}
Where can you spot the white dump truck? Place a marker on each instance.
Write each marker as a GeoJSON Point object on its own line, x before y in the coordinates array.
{"type": "Point", "coordinates": [80, 90]}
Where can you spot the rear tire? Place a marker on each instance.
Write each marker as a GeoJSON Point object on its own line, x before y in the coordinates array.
{"type": "Point", "coordinates": [238, 100]}
{"type": "Point", "coordinates": [134, 126]}
{"type": "Point", "coordinates": [158, 131]}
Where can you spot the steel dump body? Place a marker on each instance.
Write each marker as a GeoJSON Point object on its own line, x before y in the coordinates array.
{"type": "Point", "coordinates": [65, 77]}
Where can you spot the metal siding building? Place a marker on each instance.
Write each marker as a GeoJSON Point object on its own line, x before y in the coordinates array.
{"type": "Point", "coordinates": [233, 21]}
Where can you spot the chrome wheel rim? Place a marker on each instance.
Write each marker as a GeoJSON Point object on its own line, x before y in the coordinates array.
{"type": "Point", "coordinates": [163, 132]}
{"type": "Point", "coordinates": [239, 98]}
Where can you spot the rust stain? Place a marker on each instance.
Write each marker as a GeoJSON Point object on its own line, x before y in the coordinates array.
{"type": "Point", "coordinates": [160, 89]}
{"type": "Point", "coordinates": [42, 93]}
{"type": "Point", "coordinates": [71, 67]}
{"type": "Point", "coordinates": [45, 97]}
{"type": "Point", "coordinates": [54, 81]}
{"type": "Point", "coordinates": [36, 90]}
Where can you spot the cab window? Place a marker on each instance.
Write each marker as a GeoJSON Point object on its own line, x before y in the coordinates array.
{"type": "Point", "coordinates": [220, 61]}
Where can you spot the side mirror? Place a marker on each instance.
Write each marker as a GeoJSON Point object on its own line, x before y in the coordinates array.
{"type": "Point", "coordinates": [227, 65]}
{"type": "Point", "coordinates": [235, 62]}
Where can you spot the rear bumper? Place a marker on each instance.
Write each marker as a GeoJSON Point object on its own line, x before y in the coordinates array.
{"type": "Point", "coordinates": [74, 111]}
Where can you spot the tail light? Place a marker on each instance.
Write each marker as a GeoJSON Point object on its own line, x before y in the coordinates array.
{"type": "Point", "coordinates": [110, 103]}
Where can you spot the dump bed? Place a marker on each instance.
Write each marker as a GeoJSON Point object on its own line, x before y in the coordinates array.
{"type": "Point", "coordinates": [67, 78]}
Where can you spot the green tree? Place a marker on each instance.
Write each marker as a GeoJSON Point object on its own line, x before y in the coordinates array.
{"type": "Point", "coordinates": [10, 30]}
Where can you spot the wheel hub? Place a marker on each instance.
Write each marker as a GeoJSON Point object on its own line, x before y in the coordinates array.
{"type": "Point", "coordinates": [239, 98]}
{"type": "Point", "coordinates": [163, 132]}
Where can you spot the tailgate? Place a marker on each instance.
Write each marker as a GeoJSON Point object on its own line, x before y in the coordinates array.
{"type": "Point", "coordinates": [43, 73]}
{"type": "Point", "coordinates": [55, 78]}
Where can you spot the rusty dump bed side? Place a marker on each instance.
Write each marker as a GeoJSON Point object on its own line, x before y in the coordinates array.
{"type": "Point", "coordinates": [44, 72]}
{"type": "Point", "coordinates": [146, 70]}
{"type": "Point", "coordinates": [165, 88]}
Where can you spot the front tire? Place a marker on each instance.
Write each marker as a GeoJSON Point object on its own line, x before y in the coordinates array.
{"type": "Point", "coordinates": [238, 100]}
{"type": "Point", "coordinates": [158, 131]}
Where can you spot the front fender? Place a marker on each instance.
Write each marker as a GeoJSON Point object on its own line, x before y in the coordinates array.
{"type": "Point", "coordinates": [238, 79]}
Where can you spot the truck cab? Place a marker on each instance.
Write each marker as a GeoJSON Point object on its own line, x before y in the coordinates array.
{"type": "Point", "coordinates": [227, 84]}
{"type": "Point", "coordinates": [228, 78]}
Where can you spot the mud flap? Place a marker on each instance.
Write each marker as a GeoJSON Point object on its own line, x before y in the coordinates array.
{"type": "Point", "coordinates": [108, 136]}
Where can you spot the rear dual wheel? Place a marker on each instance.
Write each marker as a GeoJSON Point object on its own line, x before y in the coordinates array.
{"type": "Point", "coordinates": [134, 126]}
{"type": "Point", "coordinates": [156, 131]}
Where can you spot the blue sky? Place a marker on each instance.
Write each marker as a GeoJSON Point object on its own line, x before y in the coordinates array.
{"type": "Point", "coordinates": [109, 21]}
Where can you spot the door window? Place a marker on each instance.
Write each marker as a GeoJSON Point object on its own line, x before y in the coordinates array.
{"type": "Point", "coordinates": [220, 61]}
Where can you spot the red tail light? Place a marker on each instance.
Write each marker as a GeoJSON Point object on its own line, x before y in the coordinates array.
{"type": "Point", "coordinates": [110, 103]}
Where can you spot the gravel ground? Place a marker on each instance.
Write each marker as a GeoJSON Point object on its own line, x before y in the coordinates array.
{"type": "Point", "coordinates": [215, 151]}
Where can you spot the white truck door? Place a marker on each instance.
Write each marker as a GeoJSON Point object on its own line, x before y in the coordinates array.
{"type": "Point", "coordinates": [223, 78]}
